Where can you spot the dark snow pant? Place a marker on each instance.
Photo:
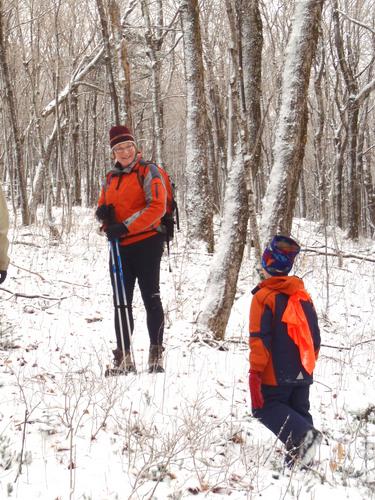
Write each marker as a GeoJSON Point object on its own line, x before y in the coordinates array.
{"type": "Point", "coordinates": [140, 261]}
{"type": "Point", "coordinates": [286, 412]}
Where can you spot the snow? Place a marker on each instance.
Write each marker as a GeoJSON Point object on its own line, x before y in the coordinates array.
{"type": "Point", "coordinates": [186, 433]}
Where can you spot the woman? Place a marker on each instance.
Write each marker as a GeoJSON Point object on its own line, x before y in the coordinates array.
{"type": "Point", "coordinates": [131, 205]}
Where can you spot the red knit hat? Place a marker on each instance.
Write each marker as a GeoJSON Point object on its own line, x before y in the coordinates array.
{"type": "Point", "coordinates": [118, 134]}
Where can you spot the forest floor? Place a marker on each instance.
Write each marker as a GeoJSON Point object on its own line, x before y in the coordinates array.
{"type": "Point", "coordinates": [67, 432]}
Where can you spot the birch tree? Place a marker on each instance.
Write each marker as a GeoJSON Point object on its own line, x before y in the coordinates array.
{"type": "Point", "coordinates": [199, 205]}
{"type": "Point", "coordinates": [288, 149]}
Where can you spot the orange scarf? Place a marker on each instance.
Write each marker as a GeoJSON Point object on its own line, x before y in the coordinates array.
{"type": "Point", "coordinates": [298, 329]}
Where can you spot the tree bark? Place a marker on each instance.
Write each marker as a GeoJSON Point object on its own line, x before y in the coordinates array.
{"type": "Point", "coordinates": [288, 149]}
{"type": "Point", "coordinates": [252, 47]}
{"type": "Point", "coordinates": [238, 200]}
{"type": "Point", "coordinates": [154, 43]}
{"type": "Point", "coordinates": [199, 203]}
{"type": "Point", "coordinates": [123, 68]}
{"type": "Point", "coordinates": [109, 61]}
{"type": "Point", "coordinates": [10, 100]}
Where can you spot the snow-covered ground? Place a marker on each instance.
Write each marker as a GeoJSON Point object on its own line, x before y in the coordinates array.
{"type": "Point", "coordinates": [66, 432]}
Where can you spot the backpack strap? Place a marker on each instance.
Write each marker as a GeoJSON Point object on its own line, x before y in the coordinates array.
{"type": "Point", "coordinates": [141, 171]}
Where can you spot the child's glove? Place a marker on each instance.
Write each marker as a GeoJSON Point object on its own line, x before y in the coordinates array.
{"type": "Point", "coordinates": [255, 383]}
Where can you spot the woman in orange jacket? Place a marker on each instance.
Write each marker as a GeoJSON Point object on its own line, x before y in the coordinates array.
{"type": "Point", "coordinates": [284, 345]}
{"type": "Point", "coordinates": [131, 205]}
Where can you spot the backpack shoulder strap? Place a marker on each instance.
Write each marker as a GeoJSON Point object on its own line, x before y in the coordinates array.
{"type": "Point", "coordinates": [140, 169]}
{"type": "Point", "coordinates": [107, 180]}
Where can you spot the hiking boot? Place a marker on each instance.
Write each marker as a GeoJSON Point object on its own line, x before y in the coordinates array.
{"type": "Point", "coordinates": [308, 446]}
{"type": "Point", "coordinates": [155, 359]}
{"type": "Point", "coordinates": [126, 364]}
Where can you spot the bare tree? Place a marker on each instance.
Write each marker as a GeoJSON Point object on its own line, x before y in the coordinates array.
{"type": "Point", "coordinates": [355, 98]}
{"type": "Point", "coordinates": [288, 150]}
{"type": "Point", "coordinates": [154, 40]}
{"type": "Point", "coordinates": [109, 60]}
{"type": "Point", "coordinates": [10, 100]}
{"type": "Point", "coordinates": [123, 68]}
{"type": "Point", "coordinates": [238, 200]}
{"type": "Point", "coordinates": [199, 206]}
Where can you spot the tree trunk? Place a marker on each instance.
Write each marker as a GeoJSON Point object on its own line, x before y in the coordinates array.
{"type": "Point", "coordinates": [321, 164]}
{"type": "Point", "coordinates": [252, 46]}
{"type": "Point", "coordinates": [10, 100]}
{"type": "Point", "coordinates": [75, 161]}
{"type": "Point", "coordinates": [154, 42]}
{"type": "Point", "coordinates": [292, 191]}
{"type": "Point", "coordinates": [288, 149]}
{"type": "Point", "coordinates": [109, 61]}
{"type": "Point", "coordinates": [337, 180]}
{"type": "Point", "coordinates": [123, 69]}
{"type": "Point", "coordinates": [250, 52]}
{"type": "Point", "coordinates": [199, 204]}
{"type": "Point", "coordinates": [222, 280]}
{"type": "Point", "coordinates": [40, 174]}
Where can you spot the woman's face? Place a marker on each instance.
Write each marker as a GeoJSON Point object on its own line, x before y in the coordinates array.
{"type": "Point", "coordinates": [124, 153]}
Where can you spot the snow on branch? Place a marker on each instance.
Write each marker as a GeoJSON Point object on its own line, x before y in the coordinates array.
{"type": "Point", "coordinates": [78, 74]}
{"type": "Point", "coordinates": [343, 255]}
{"type": "Point", "coordinates": [363, 94]}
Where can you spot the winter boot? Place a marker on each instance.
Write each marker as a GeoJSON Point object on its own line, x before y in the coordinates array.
{"type": "Point", "coordinates": [308, 447]}
{"type": "Point", "coordinates": [155, 359]}
{"type": "Point", "coordinates": [125, 364]}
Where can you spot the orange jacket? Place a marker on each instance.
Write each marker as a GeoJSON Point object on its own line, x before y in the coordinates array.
{"type": "Point", "coordinates": [273, 352]}
{"type": "Point", "coordinates": [139, 207]}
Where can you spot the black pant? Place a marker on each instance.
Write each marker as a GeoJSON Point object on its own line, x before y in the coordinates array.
{"type": "Point", "coordinates": [140, 261]}
{"type": "Point", "coordinates": [286, 412]}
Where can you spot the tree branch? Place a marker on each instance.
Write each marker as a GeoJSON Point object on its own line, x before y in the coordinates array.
{"type": "Point", "coordinates": [355, 21]}
{"type": "Point", "coordinates": [335, 254]}
{"type": "Point", "coordinates": [78, 74]}
{"type": "Point", "coordinates": [25, 295]}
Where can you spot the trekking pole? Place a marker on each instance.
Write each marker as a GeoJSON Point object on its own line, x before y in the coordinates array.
{"type": "Point", "coordinates": [169, 255]}
{"type": "Point", "coordinates": [118, 277]}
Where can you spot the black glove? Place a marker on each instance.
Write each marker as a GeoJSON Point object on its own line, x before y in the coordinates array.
{"type": "Point", "coordinates": [105, 214]}
{"type": "Point", "coordinates": [116, 231]}
{"type": "Point", "coordinates": [3, 275]}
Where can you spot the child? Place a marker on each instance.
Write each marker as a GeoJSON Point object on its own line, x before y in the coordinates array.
{"type": "Point", "coordinates": [284, 345]}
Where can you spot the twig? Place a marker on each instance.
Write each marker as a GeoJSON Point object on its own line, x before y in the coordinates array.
{"type": "Point", "coordinates": [342, 348]}
{"type": "Point", "coordinates": [25, 295]}
{"type": "Point", "coordinates": [343, 255]}
{"type": "Point", "coordinates": [45, 280]}
{"type": "Point", "coordinates": [28, 271]}
{"type": "Point", "coordinates": [336, 347]}
{"type": "Point", "coordinates": [19, 471]}
{"type": "Point", "coordinates": [73, 284]}
{"type": "Point", "coordinates": [27, 243]}
{"type": "Point", "coordinates": [355, 21]}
